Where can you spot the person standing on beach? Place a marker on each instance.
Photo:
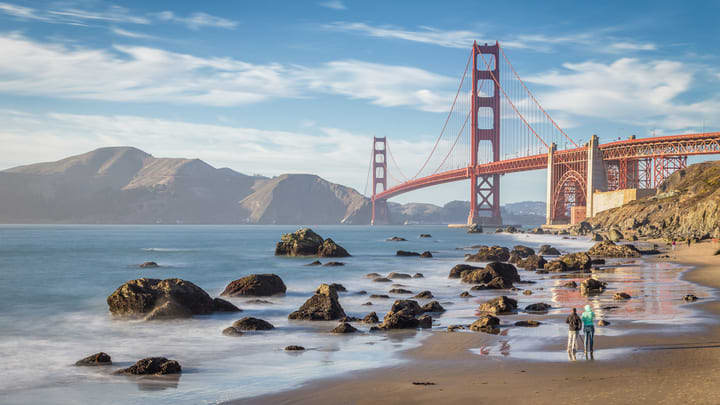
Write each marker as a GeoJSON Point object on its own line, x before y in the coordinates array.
{"type": "Point", "coordinates": [588, 317]}
{"type": "Point", "coordinates": [574, 323]}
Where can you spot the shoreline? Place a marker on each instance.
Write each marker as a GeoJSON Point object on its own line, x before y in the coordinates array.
{"type": "Point", "coordinates": [668, 367]}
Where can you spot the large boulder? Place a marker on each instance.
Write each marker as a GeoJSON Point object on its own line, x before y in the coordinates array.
{"type": "Point", "coordinates": [499, 305]}
{"type": "Point", "coordinates": [250, 323]}
{"type": "Point", "coordinates": [97, 359]}
{"type": "Point", "coordinates": [592, 286]}
{"type": "Point", "coordinates": [344, 327]}
{"type": "Point", "coordinates": [257, 285]}
{"type": "Point", "coordinates": [220, 305]}
{"type": "Point", "coordinates": [577, 261]}
{"type": "Point", "coordinates": [323, 306]}
{"type": "Point", "coordinates": [532, 262]}
{"type": "Point", "coordinates": [305, 242]}
{"type": "Point", "coordinates": [402, 315]}
{"type": "Point", "coordinates": [393, 275]}
{"type": "Point", "coordinates": [433, 306]}
{"type": "Point", "coordinates": [489, 254]}
{"type": "Point", "coordinates": [547, 250]}
{"type": "Point", "coordinates": [170, 298]}
{"type": "Point", "coordinates": [486, 323]}
{"type": "Point", "coordinates": [522, 251]}
{"type": "Point", "coordinates": [153, 366]}
{"type": "Point", "coordinates": [556, 266]}
{"type": "Point", "coordinates": [460, 269]}
{"type": "Point", "coordinates": [615, 235]}
{"type": "Point", "coordinates": [538, 307]}
{"type": "Point", "coordinates": [610, 249]}
{"type": "Point", "coordinates": [507, 272]}
{"type": "Point", "coordinates": [406, 253]}
{"type": "Point", "coordinates": [475, 228]}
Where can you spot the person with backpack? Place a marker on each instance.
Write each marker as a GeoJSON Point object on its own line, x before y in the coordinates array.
{"type": "Point", "coordinates": [588, 317]}
{"type": "Point", "coordinates": [574, 323]}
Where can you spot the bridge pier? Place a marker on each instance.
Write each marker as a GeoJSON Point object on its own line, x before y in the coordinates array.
{"type": "Point", "coordinates": [596, 174]}
{"type": "Point", "coordinates": [550, 185]}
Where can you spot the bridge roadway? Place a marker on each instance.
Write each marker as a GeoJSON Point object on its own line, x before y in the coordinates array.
{"type": "Point", "coordinates": [643, 148]}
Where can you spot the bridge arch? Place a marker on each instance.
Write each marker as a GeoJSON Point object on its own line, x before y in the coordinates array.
{"type": "Point", "coordinates": [569, 192]}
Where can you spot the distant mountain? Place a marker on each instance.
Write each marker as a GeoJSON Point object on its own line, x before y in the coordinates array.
{"type": "Point", "coordinates": [124, 185]}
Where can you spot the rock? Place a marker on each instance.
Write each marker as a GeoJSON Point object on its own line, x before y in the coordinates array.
{"type": "Point", "coordinates": [395, 275]}
{"type": "Point", "coordinates": [315, 263]}
{"type": "Point", "coordinates": [453, 328]}
{"type": "Point", "coordinates": [621, 296]}
{"type": "Point", "coordinates": [383, 296]}
{"type": "Point", "coordinates": [603, 322]}
{"type": "Point", "coordinates": [400, 291]}
{"type": "Point", "coordinates": [409, 306]}
{"type": "Point", "coordinates": [474, 228]}
{"type": "Point", "coordinates": [399, 320]}
{"type": "Point", "coordinates": [459, 269]}
{"type": "Point", "coordinates": [690, 298]}
{"type": "Point", "coordinates": [153, 366]}
{"type": "Point", "coordinates": [597, 237]}
{"type": "Point", "coordinates": [372, 275]}
{"type": "Point", "coordinates": [547, 250]}
{"type": "Point", "coordinates": [293, 348]}
{"type": "Point", "coordinates": [510, 229]}
{"type": "Point", "coordinates": [349, 319]}
{"type": "Point", "coordinates": [258, 301]}
{"type": "Point", "coordinates": [324, 305]}
{"type": "Point", "coordinates": [504, 271]}
{"type": "Point", "coordinates": [514, 258]}
{"type": "Point", "coordinates": [149, 265]}
{"type": "Point", "coordinates": [232, 331]}
{"type": "Point", "coordinates": [433, 306]}
{"type": "Point", "coordinates": [499, 305]}
{"type": "Point", "coordinates": [487, 324]}
{"type": "Point", "coordinates": [334, 264]}
{"type": "Point", "coordinates": [537, 231]}
{"type": "Point", "coordinates": [97, 359]}
{"type": "Point", "coordinates": [465, 294]}
{"type": "Point", "coordinates": [527, 292]}
{"type": "Point", "coordinates": [361, 292]}
{"type": "Point", "coordinates": [369, 303]}
{"type": "Point", "coordinates": [382, 280]}
{"type": "Point", "coordinates": [610, 249]}
{"type": "Point", "coordinates": [257, 285]}
{"type": "Point", "coordinates": [418, 275]}
{"type": "Point", "coordinates": [592, 286]}
{"type": "Point", "coordinates": [577, 261]}
{"type": "Point", "coordinates": [425, 235]}
{"type": "Point", "coordinates": [615, 235]}
{"type": "Point", "coordinates": [528, 323]}
{"type": "Point", "coordinates": [522, 251]}
{"type": "Point", "coordinates": [344, 328]}
{"type": "Point", "coordinates": [396, 239]}
{"type": "Point", "coordinates": [426, 255]}
{"type": "Point", "coordinates": [338, 287]}
{"type": "Point", "coordinates": [172, 297]}
{"type": "Point", "coordinates": [489, 254]}
{"type": "Point", "coordinates": [531, 262]}
{"type": "Point", "coordinates": [556, 266]}
{"type": "Point", "coordinates": [305, 242]}
{"type": "Point", "coordinates": [498, 283]}
{"type": "Point", "coordinates": [425, 322]}
{"type": "Point", "coordinates": [250, 323]}
{"type": "Point", "coordinates": [169, 309]}
{"type": "Point", "coordinates": [583, 228]}
{"type": "Point", "coordinates": [538, 307]}
{"type": "Point", "coordinates": [220, 305]}
{"type": "Point", "coordinates": [424, 295]}
{"type": "Point", "coordinates": [406, 253]}
{"type": "Point", "coordinates": [371, 318]}
{"type": "Point", "coordinates": [569, 284]}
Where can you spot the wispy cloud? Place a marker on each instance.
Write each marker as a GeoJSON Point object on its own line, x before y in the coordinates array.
{"type": "Point", "coordinates": [113, 14]}
{"type": "Point", "coordinates": [333, 4]}
{"type": "Point", "coordinates": [197, 20]}
{"type": "Point", "coordinates": [599, 41]}
{"type": "Point", "coordinates": [144, 74]}
{"type": "Point", "coordinates": [130, 34]}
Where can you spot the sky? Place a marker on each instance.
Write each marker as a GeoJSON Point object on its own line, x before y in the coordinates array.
{"type": "Point", "coordinates": [278, 87]}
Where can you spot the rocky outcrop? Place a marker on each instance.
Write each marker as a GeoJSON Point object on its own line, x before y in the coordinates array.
{"type": "Point", "coordinates": [433, 306]}
{"type": "Point", "coordinates": [522, 251]}
{"type": "Point", "coordinates": [426, 255]}
{"type": "Point", "coordinates": [547, 250]}
{"type": "Point", "coordinates": [499, 305]}
{"type": "Point", "coordinates": [489, 254]}
{"type": "Point", "coordinates": [305, 242]}
{"type": "Point", "coordinates": [406, 253]}
{"type": "Point", "coordinates": [393, 275]}
{"type": "Point", "coordinates": [504, 271]}
{"type": "Point", "coordinates": [371, 318]}
{"type": "Point", "coordinates": [344, 328]}
{"type": "Point", "coordinates": [258, 285]}
{"type": "Point", "coordinates": [396, 239]}
{"type": "Point", "coordinates": [474, 228]}
{"type": "Point", "coordinates": [232, 331]}
{"type": "Point", "coordinates": [425, 235]}
{"type": "Point", "coordinates": [220, 305]}
{"type": "Point", "coordinates": [418, 275]}
{"type": "Point", "coordinates": [149, 265]}
{"type": "Point", "coordinates": [250, 323]}
{"type": "Point", "coordinates": [487, 324]}
{"type": "Point", "coordinates": [97, 359]}
{"type": "Point", "coordinates": [610, 249]}
{"type": "Point", "coordinates": [532, 262]}
{"type": "Point", "coordinates": [425, 321]}
{"type": "Point", "coordinates": [615, 235]}
{"type": "Point", "coordinates": [159, 299]}
{"type": "Point", "coordinates": [528, 323]}
{"type": "Point", "coordinates": [592, 286]}
{"type": "Point", "coordinates": [153, 366]}
{"type": "Point", "coordinates": [399, 291]}
{"type": "Point", "coordinates": [460, 269]}
{"type": "Point", "coordinates": [402, 315]}
{"type": "Point", "coordinates": [577, 261]}
{"type": "Point", "coordinates": [323, 306]}
{"type": "Point", "coordinates": [556, 266]}
{"type": "Point", "coordinates": [425, 295]}
{"type": "Point", "coordinates": [538, 307]}
{"type": "Point", "coordinates": [294, 348]}
{"type": "Point", "coordinates": [333, 264]}
{"type": "Point", "coordinates": [621, 296]}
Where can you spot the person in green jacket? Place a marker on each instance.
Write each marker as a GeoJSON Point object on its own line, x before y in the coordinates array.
{"type": "Point", "coordinates": [588, 327]}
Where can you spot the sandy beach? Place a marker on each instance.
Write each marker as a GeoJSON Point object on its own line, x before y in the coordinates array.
{"type": "Point", "coordinates": [668, 367]}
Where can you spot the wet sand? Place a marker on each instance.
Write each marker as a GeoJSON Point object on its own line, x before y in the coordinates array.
{"type": "Point", "coordinates": [669, 367]}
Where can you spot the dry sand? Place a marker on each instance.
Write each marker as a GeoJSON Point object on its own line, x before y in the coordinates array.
{"type": "Point", "coordinates": [667, 368]}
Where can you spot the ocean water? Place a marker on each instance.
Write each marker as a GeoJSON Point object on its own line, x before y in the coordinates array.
{"type": "Point", "coordinates": [54, 281]}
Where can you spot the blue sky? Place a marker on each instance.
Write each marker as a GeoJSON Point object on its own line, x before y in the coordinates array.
{"type": "Point", "coordinates": [275, 87]}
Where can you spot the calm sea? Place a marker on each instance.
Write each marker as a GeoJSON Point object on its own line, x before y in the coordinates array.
{"type": "Point", "coordinates": [54, 281]}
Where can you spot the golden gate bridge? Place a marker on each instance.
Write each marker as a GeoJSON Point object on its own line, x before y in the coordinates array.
{"type": "Point", "coordinates": [496, 126]}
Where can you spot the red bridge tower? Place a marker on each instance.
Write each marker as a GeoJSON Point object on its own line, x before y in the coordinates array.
{"type": "Point", "coordinates": [380, 214]}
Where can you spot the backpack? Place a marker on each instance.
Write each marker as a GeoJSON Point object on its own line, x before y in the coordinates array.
{"type": "Point", "coordinates": [575, 323]}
